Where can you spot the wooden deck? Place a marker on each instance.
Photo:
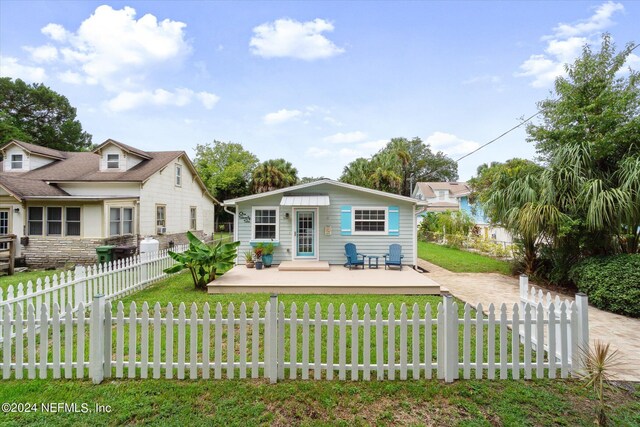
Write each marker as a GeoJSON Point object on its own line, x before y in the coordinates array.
{"type": "Point", "coordinates": [336, 280]}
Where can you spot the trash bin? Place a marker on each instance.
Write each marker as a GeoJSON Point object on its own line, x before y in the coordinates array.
{"type": "Point", "coordinates": [105, 253]}
{"type": "Point", "coordinates": [122, 252]}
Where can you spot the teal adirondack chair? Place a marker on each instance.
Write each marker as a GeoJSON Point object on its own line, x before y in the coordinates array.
{"type": "Point", "coordinates": [353, 257]}
{"type": "Point", "coordinates": [394, 257]}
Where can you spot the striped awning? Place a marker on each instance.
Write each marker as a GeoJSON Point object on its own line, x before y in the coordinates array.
{"type": "Point", "coordinates": [305, 200]}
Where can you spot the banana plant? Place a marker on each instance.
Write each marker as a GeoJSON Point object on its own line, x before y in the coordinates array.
{"type": "Point", "coordinates": [204, 261]}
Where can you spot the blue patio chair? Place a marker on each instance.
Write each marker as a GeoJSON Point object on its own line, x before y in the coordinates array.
{"type": "Point", "coordinates": [353, 257]}
{"type": "Point", "coordinates": [394, 257]}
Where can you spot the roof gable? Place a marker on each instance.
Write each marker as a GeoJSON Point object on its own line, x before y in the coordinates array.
{"type": "Point", "coordinates": [124, 147]}
{"type": "Point", "coordinates": [37, 149]}
{"type": "Point", "coordinates": [231, 202]}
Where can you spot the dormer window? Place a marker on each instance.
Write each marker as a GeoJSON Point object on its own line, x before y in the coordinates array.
{"type": "Point", "coordinates": [113, 161]}
{"type": "Point", "coordinates": [16, 161]}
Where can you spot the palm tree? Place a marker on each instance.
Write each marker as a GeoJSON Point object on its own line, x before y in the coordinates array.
{"type": "Point", "coordinates": [357, 172]}
{"type": "Point", "coordinates": [272, 175]}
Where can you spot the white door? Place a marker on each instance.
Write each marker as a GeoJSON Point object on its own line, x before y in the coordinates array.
{"type": "Point", "coordinates": [305, 234]}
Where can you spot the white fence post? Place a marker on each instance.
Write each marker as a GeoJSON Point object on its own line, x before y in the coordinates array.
{"type": "Point", "coordinates": [582, 304]}
{"type": "Point", "coordinates": [96, 348]}
{"type": "Point", "coordinates": [450, 339]}
{"type": "Point", "coordinates": [272, 363]}
{"type": "Point", "coordinates": [79, 275]}
{"type": "Point", "coordinates": [524, 290]}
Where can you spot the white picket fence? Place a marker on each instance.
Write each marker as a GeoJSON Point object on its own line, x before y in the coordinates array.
{"type": "Point", "coordinates": [548, 307]}
{"type": "Point", "coordinates": [70, 288]}
{"type": "Point", "coordinates": [278, 343]}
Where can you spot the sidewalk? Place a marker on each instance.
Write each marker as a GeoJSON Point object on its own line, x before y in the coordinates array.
{"type": "Point", "coordinates": [622, 332]}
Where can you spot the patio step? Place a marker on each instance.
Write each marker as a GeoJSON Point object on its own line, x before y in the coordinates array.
{"type": "Point", "coordinates": [304, 266]}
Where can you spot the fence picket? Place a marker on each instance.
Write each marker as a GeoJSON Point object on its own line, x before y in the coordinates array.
{"type": "Point", "coordinates": [6, 343]}
{"type": "Point", "coordinates": [330, 333]}
{"type": "Point", "coordinates": [379, 344]}
{"type": "Point", "coordinates": [231, 346]}
{"type": "Point", "coordinates": [515, 343]}
{"type": "Point", "coordinates": [491, 343]}
{"type": "Point", "coordinates": [133, 330]}
{"type": "Point", "coordinates": [55, 345]}
{"type": "Point", "coordinates": [44, 339]}
{"type": "Point", "coordinates": [217, 351]}
{"type": "Point", "coordinates": [564, 345]}
{"type": "Point", "coordinates": [243, 341]}
{"type": "Point", "coordinates": [193, 338]}
{"type": "Point", "coordinates": [391, 344]}
{"type": "Point", "coordinates": [157, 340]}
{"type": "Point", "coordinates": [293, 341]}
{"type": "Point", "coordinates": [120, 340]}
{"type": "Point", "coordinates": [403, 341]}
{"type": "Point", "coordinates": [255, 340]}
{"type": "Point", "coordinates": [144, 338]}
{"type": "Point", "coordinates": [342, 344]}
{"type": "Point", "coordinates": [551, 333]}
{"type": "Point", "coordinates": [317, 336]}
{"type": "Point", "coordinates": [354, 342]}
{"type": "Point", "coordinates": [68, 342]}
{"type": "Point", "coordinates": [366, 344]}
{"type": "Point", "coordinates": [479, 342]}
{"type": "Point", "coordinates": [466, 342]}
{"type": "Point", "coordinates": [503, 341]}
{"type": "Point", "coordinates": [428, 340]}
{"type": "Point", "coordinates": [415, 342]}
{"type": "Point", "coordinates": [527, 341]}
{"type": "Point", "coordinates": [31, 341]}
{"type": "Point", "coordinates": [168, 353]}
{"type": "Point", "coordinates": [305, 342]}
{"type": "Point", "coordinates": [280, 345]}
{"type": "Point", "coordinates": [206, 324]}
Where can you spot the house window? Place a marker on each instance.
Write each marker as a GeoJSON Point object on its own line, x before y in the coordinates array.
{"type": "Point", "coordinates": [72, 221]}
{"type": "Point", "coordinates": [193, 223]}
{"type": "Point", "coordinates": [113, 161]}
{"type": "Point", "coordinates": [54, 221]}
{"type": "Point", "coordinates": [265, 223]}
{"type": "Point", "coordinates": [36, 217]}
{"type": "Point", "coordinates": [178, 175]}
{"type": "Point", "coordinates": [16, 161]}
{"type": "Point", "coordinates": [161, 217]}
{"type": "Point", "coordinates": [370, 220]}
{"type": "Point", "coordinates": [441, 195]}
{"type": "Point", "coordinates": [120, 221]}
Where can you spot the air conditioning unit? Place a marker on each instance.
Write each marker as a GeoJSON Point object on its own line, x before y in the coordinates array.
{"type": "Point", "coordinates": [162, 230]}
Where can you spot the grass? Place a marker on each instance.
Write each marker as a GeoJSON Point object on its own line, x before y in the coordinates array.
{"type": "Point", "coordinates": [255, 403]}
{"type": "Point", "coordinates": [24, 277]}
{"type": "Point", "coordinates": [460, 261]}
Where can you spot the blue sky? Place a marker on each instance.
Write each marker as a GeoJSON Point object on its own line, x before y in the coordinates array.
{"type": "Point", "coordinates": [318, 83]}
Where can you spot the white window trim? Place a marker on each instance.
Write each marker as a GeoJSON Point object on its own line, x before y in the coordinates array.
{"type": "Point", "coordinates": [194, 219]}
{"type": "Point", "coordinates": [107, 161]}
{"type": "Point", "coordinates": [21, 161]}
{"type": "Point", "coordinates": [370, 233]}
{"type": "Point", "coordinates": [178, 175]}
{"type": "Point", "coordinates": [158, 205]}
{"type": "Point", "coordinates": [133, 221]}
{"type": "Point", "coordinates": [253, 223]}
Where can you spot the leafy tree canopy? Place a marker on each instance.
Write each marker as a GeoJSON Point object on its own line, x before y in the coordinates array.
{"type": "Point", "coordinates": [272, 175]}
{"type": "Point", "coordinates": [36, 114]}
{"type": "Point", "coordinates": [225, 168]}
{"type": "Point", "coordinates": [488, 174]}
{"type": "Point", "coordinates": [399, 164]}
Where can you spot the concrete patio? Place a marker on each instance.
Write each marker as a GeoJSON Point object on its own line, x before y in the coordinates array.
{"type": "Point", "coordinates": [337, 280]}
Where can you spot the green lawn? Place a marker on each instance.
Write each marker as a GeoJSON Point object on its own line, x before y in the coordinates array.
{"type": "Point", "coordinates": [460, 261]}
{"type": "Point", "coordinates": [23, 278]}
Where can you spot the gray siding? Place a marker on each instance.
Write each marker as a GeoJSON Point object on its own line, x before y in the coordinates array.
{"type": "Point", "coordinates": [331, 248]}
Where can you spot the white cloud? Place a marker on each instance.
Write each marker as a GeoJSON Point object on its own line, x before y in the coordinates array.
{"type": "Point", "coordinates": [111, 46]}
{"type": "Point", "coordinates": [346, 138]}
{"type": "Point", "coordinates": [332, 121]}
{"type": "Point", "coordinates": [9, 67]}
{"type": "Point", "coordinates": [209, 100]}
{"type": "Point", "coordinates": [318, 153]}
{"type": "Point", "coordinates": [450, 144]}
{"type": "Point", "coordinates": [71, 77]}
{"type": "Point", "coordinates": [483, 79]}
{"type": "Point", "coordinates": [565, 45]}
{"type": "Point", "coordinates": [600, 20]}
{"type": "Point", "coordinates": [287, 38]}
{"type": "Point", "coordinates": [376, 145]}
{"type": "Point", "coordinates": [46, 53]}
{"type": "Point", "coordinates": [55, 32]}
{"type": "Point", "coordinates": [281, 116]}
{"type": "Point", "coordinates": [161, 98]}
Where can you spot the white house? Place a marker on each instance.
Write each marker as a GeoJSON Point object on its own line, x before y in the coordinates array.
{"type": "Point", "coordinates": [454, 196]}
{"type": "Point", "coordinates": [62, 205]}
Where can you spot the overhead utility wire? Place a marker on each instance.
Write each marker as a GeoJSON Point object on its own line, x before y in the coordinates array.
{"type": "Point", "coordinates": [498, 137]}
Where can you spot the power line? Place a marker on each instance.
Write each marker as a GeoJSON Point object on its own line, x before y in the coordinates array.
{"type": "Point", "coordinates": [498, 137]}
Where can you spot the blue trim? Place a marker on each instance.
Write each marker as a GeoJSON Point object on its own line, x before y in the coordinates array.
{"type": "Point", "coordinates": [345, 220]}
{"type": "Point", "coordinates": [313, 239]}
{"type": "Point", "coordinates": [394, 221]}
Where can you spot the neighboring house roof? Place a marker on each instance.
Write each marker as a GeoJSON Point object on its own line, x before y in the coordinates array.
{"type": "Point", "coordinates": [37, 149]}
{"type": "Point", "coordinates": [124, 147]}
{"type": "Point", "coordinates": [85, 167]}
{"type": "Point", "coordinates": [293, 188]}
{"type": "Point", "coordinates": [457, 189]}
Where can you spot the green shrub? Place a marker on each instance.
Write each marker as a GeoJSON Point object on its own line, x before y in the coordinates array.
{"type": "Point", "coordinates": [612, 283]}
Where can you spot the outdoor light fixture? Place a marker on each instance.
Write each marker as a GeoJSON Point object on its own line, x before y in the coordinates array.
{"type": "Point", "coordinates": [16, 210]}
{"type": "Point", "coordinates": [286, 215]}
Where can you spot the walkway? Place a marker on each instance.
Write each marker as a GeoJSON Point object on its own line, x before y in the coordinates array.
{"type": "Point", "coordinates": [622, 332]}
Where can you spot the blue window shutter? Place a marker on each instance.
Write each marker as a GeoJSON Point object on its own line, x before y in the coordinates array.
{"type": "Point", "coordinates": [394, 221]}
{"type": "Point", "coordinates": [345, 220]}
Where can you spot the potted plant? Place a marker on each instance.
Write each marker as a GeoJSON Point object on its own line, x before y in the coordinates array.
{"type": "Point", "coordinates": [267, 254]}
{"type": "Point", "coordinates": [257, 251]}
{"type": "Point", "coordinates": [248, 258]}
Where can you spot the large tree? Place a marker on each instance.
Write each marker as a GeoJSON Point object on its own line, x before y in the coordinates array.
{"type": "Point", "coordinates": [225, 168]}
{"type": "Point", "coordinates": [488, 174]}
{"type": "Point", "coordinates": [401, 163]}
{"type": "Point", "coordinates": [272, 175]}
{"type": "Point", "coordinates": [36, 114]}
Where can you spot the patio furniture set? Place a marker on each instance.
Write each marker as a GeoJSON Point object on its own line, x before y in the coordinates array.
{"type": "Point", "coordinates": [393, 258]}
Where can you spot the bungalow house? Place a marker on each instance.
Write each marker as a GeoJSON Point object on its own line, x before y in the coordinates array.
{"type": "Point", "coordinates": [314, 221]}
{"type": "Point", "coordinates": [61, 205]}
{"type": "Point", "coordinates": [454, 196]}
